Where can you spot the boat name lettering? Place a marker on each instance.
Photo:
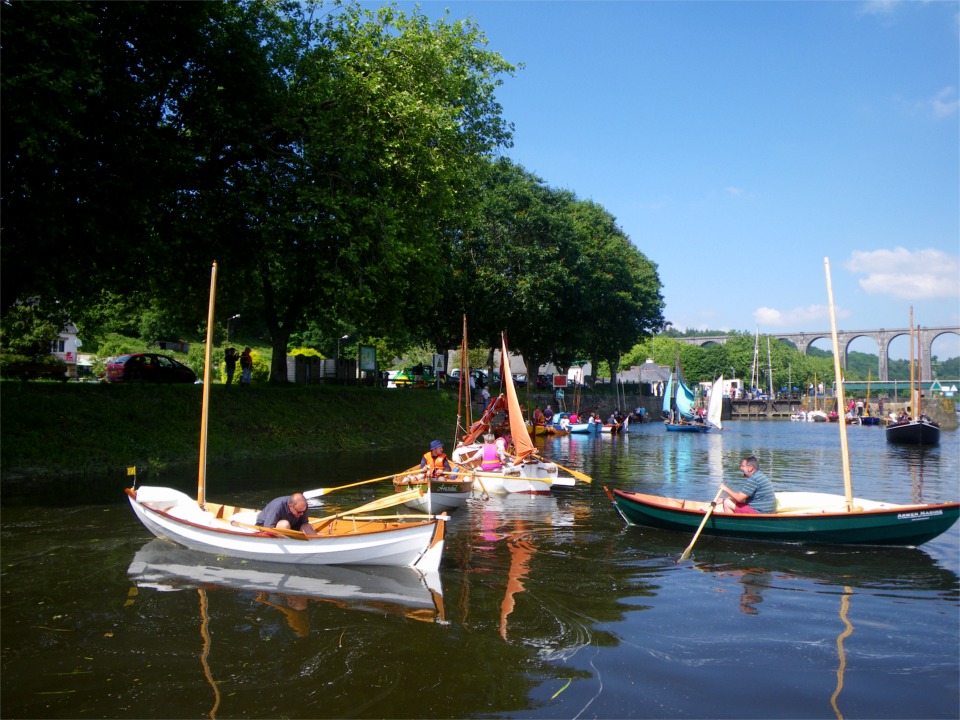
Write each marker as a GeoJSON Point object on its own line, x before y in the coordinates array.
{"type": "Point", "coordinates": [919, 514]}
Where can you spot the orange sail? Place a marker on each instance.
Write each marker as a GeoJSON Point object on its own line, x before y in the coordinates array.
{"type": "Point", "coordinates": [522, 443]}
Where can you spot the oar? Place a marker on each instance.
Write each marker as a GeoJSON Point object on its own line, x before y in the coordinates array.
{"type": "Point", "coordinates": [380, 504]}
{"type": "Point", "coordinates": [319, 492]}
{"type": "Point", "coordinates": [476, 474]}
{"type": "Point", "coordinates": [686, 553]}
{"type": "Point", "coordinates": [576, 475]}
{"type": "Point", "coordinates": [292, 534]}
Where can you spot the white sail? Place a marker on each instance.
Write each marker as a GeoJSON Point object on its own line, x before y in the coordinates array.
{"type": "Point", "coordinates": [715, 408]}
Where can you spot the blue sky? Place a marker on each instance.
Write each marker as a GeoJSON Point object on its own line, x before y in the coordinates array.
{"type": "Point", "coordinates": [740, 143]}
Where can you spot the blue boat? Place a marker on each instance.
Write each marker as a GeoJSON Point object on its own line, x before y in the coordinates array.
{"type": "Point", "coordinates": [678, 401]}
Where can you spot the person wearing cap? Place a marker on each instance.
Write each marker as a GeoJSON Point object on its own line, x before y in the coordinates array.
{"type": "Point", "coordinates": [434, 462]}
{"type": "Point", "coordinates": [288, 512]}
{"type": "Point", "coordinates": [756, 493]}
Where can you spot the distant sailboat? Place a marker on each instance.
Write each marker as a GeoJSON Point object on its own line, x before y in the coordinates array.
{"type": "Point", "coordinates": [678, 402]}
{"type": "Point", "coordinates": [715, 408]}
{"type": "Point", "coordinates": [917, 429]}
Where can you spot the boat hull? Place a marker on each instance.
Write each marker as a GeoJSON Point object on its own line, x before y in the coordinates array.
{"type": "Point", "coordinates": [913, 432]}
{"type": "Point", "coordinates": [532, 477]}
{"type": "Point", "coordinates": [439, 497]}
{"type": "Point", "coordinates": [804, 518]}
{"type": "Point", "coordinates": [687, 427]}
{"type": "Point", "coordinates": [170, 514]}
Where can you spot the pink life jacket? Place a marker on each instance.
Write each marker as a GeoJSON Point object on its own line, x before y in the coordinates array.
{"type": "Point", "coordinates": [491, 458]}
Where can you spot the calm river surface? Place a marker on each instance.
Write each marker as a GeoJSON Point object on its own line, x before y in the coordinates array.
{"type": "Point", "coordinates": [546, 607]}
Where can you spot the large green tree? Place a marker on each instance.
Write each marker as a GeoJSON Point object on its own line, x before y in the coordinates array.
{"type": "Point", "coordinates": [95, 151]}
{"type": "Point", "coordinates": [345, 223]}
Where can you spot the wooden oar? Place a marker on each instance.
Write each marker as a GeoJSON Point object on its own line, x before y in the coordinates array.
{"type": "Point", "coordinates": [475, 474]}
{"type": "Point", "coordinates": [319, 492]}
{"type": "Point", "coordinates": [686, 553]}
{"type": "Point", "coordinates": [576, 475]}
{"type": "Point", "coordinates": [292, 534]}
{"type": "Point", "coordinates": [379, 504]}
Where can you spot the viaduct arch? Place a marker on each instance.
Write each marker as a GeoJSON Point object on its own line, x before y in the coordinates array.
{"type": "Point", "coordinates": [882, 337]}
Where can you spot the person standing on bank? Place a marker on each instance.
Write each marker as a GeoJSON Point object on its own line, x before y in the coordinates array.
{"type": "Point", "coordinates": [230, 363]}
{"type": "Point", "coordinates": [756, 491]}
{"type": "Point", "coordinates": [246, 367]}
{"type": "Point", "coordinates": [286, 513]}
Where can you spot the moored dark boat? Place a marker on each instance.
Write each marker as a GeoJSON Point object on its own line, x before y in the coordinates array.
{"type": "Point", "coordinates": [805, 518]}
{"type": "Point", "coordinates": [914, 432]}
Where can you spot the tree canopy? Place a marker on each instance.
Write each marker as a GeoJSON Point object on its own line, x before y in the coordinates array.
{"type": "Point", "coordinates": [339, 163]}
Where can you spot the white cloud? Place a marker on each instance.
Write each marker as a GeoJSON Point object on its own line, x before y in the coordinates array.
{"type": "Point", "coordinates": [946, 102]}
{"type": "Point", "coordinates": [906, 274]}
{"type": "Point", "coordinates": [809, 316]}
{"type": "Point", "coordinates": [735, 191]}
{"type": "Point", "coordinates": [879, 7]}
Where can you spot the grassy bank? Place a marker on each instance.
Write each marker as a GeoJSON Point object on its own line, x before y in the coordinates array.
{"type": "Point", "coordinates": [55, 429]}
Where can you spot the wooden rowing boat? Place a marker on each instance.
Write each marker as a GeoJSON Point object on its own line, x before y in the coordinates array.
{"type": "Point", "coordinates": [347, 538]}
{"type": "Point", "coordinates": [801, 517]}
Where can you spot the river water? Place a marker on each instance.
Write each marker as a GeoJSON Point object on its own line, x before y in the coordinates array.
{"type": "Point", "coordinates": [545, 607]}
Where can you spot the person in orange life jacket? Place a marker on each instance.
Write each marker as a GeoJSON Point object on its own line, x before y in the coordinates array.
{"type": "Point", "coordinates": [434, 462]}
{"type": "Point", "coordinates": [491, 455]}
{"type": "Point", "coordinates": [538, 416]}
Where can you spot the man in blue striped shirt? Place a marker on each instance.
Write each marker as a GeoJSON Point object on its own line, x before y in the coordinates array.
{"type": "Point", "coordinates": [756, 491]}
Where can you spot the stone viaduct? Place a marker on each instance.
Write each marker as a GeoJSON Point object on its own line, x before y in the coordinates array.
{"type": "Point", "coordinates": [882, 337]}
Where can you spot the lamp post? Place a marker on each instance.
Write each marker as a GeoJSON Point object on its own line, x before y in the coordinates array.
{"type": "Point", "coordinates": [232, 317]}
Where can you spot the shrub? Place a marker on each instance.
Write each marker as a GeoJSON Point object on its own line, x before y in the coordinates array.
{"type": "Point", "coordinates": [13, 365]}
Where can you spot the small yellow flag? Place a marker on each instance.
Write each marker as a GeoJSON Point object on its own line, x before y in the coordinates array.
{"type": "Point", "coordinates": [132, 470]}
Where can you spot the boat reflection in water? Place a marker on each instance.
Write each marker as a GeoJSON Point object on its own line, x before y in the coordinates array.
{"type": "Point", "coordinates": [290, 588]}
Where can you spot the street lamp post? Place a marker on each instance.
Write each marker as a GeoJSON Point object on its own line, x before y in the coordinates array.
{"type": "Point", "coordinates": [232, 317]}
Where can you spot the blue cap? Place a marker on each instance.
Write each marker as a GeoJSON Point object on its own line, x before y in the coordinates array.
{"type": "Point", "coordinates": [435, 444]}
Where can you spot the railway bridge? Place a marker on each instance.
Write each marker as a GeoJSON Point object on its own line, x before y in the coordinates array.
{"type": "Point", "coordinates": [882, 337]}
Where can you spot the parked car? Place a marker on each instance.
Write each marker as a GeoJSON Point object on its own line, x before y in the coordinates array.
{"type": "Point", "coordinates": [149, 367]}
{"type": "Point", "coordinates": [545, 382]}
{"type": "Point", "coordinates": [405, 377]}
{"type": "Point", "coordinates": [479, 377]}
{"type": "Point", "coordinates": [520, 379]}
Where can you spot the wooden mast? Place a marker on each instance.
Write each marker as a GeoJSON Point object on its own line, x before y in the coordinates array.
{"type": "Point", "coordinates": [208, 352]}
{"type": "Point", "coordinates": [841, 421]}
{"type": "Point", "coordinates": [919, 405]}
{"type": "Point", "coordinates": [913, 400]}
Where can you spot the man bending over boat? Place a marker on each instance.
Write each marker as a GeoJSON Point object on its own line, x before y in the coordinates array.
{"type": "Point", "coordinates": [756, 492]}
{"type": "Point", "coordinates": [288, 512]}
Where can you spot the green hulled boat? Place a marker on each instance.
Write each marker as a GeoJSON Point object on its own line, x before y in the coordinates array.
{"type": "Point", "coordinates": [801, 517]}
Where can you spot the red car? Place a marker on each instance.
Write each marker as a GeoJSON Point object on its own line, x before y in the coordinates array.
{"type": "Point", "coordinates": [149, 367]}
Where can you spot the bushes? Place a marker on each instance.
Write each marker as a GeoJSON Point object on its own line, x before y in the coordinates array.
{"type": "Point", "coordinates": [13, 365]}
